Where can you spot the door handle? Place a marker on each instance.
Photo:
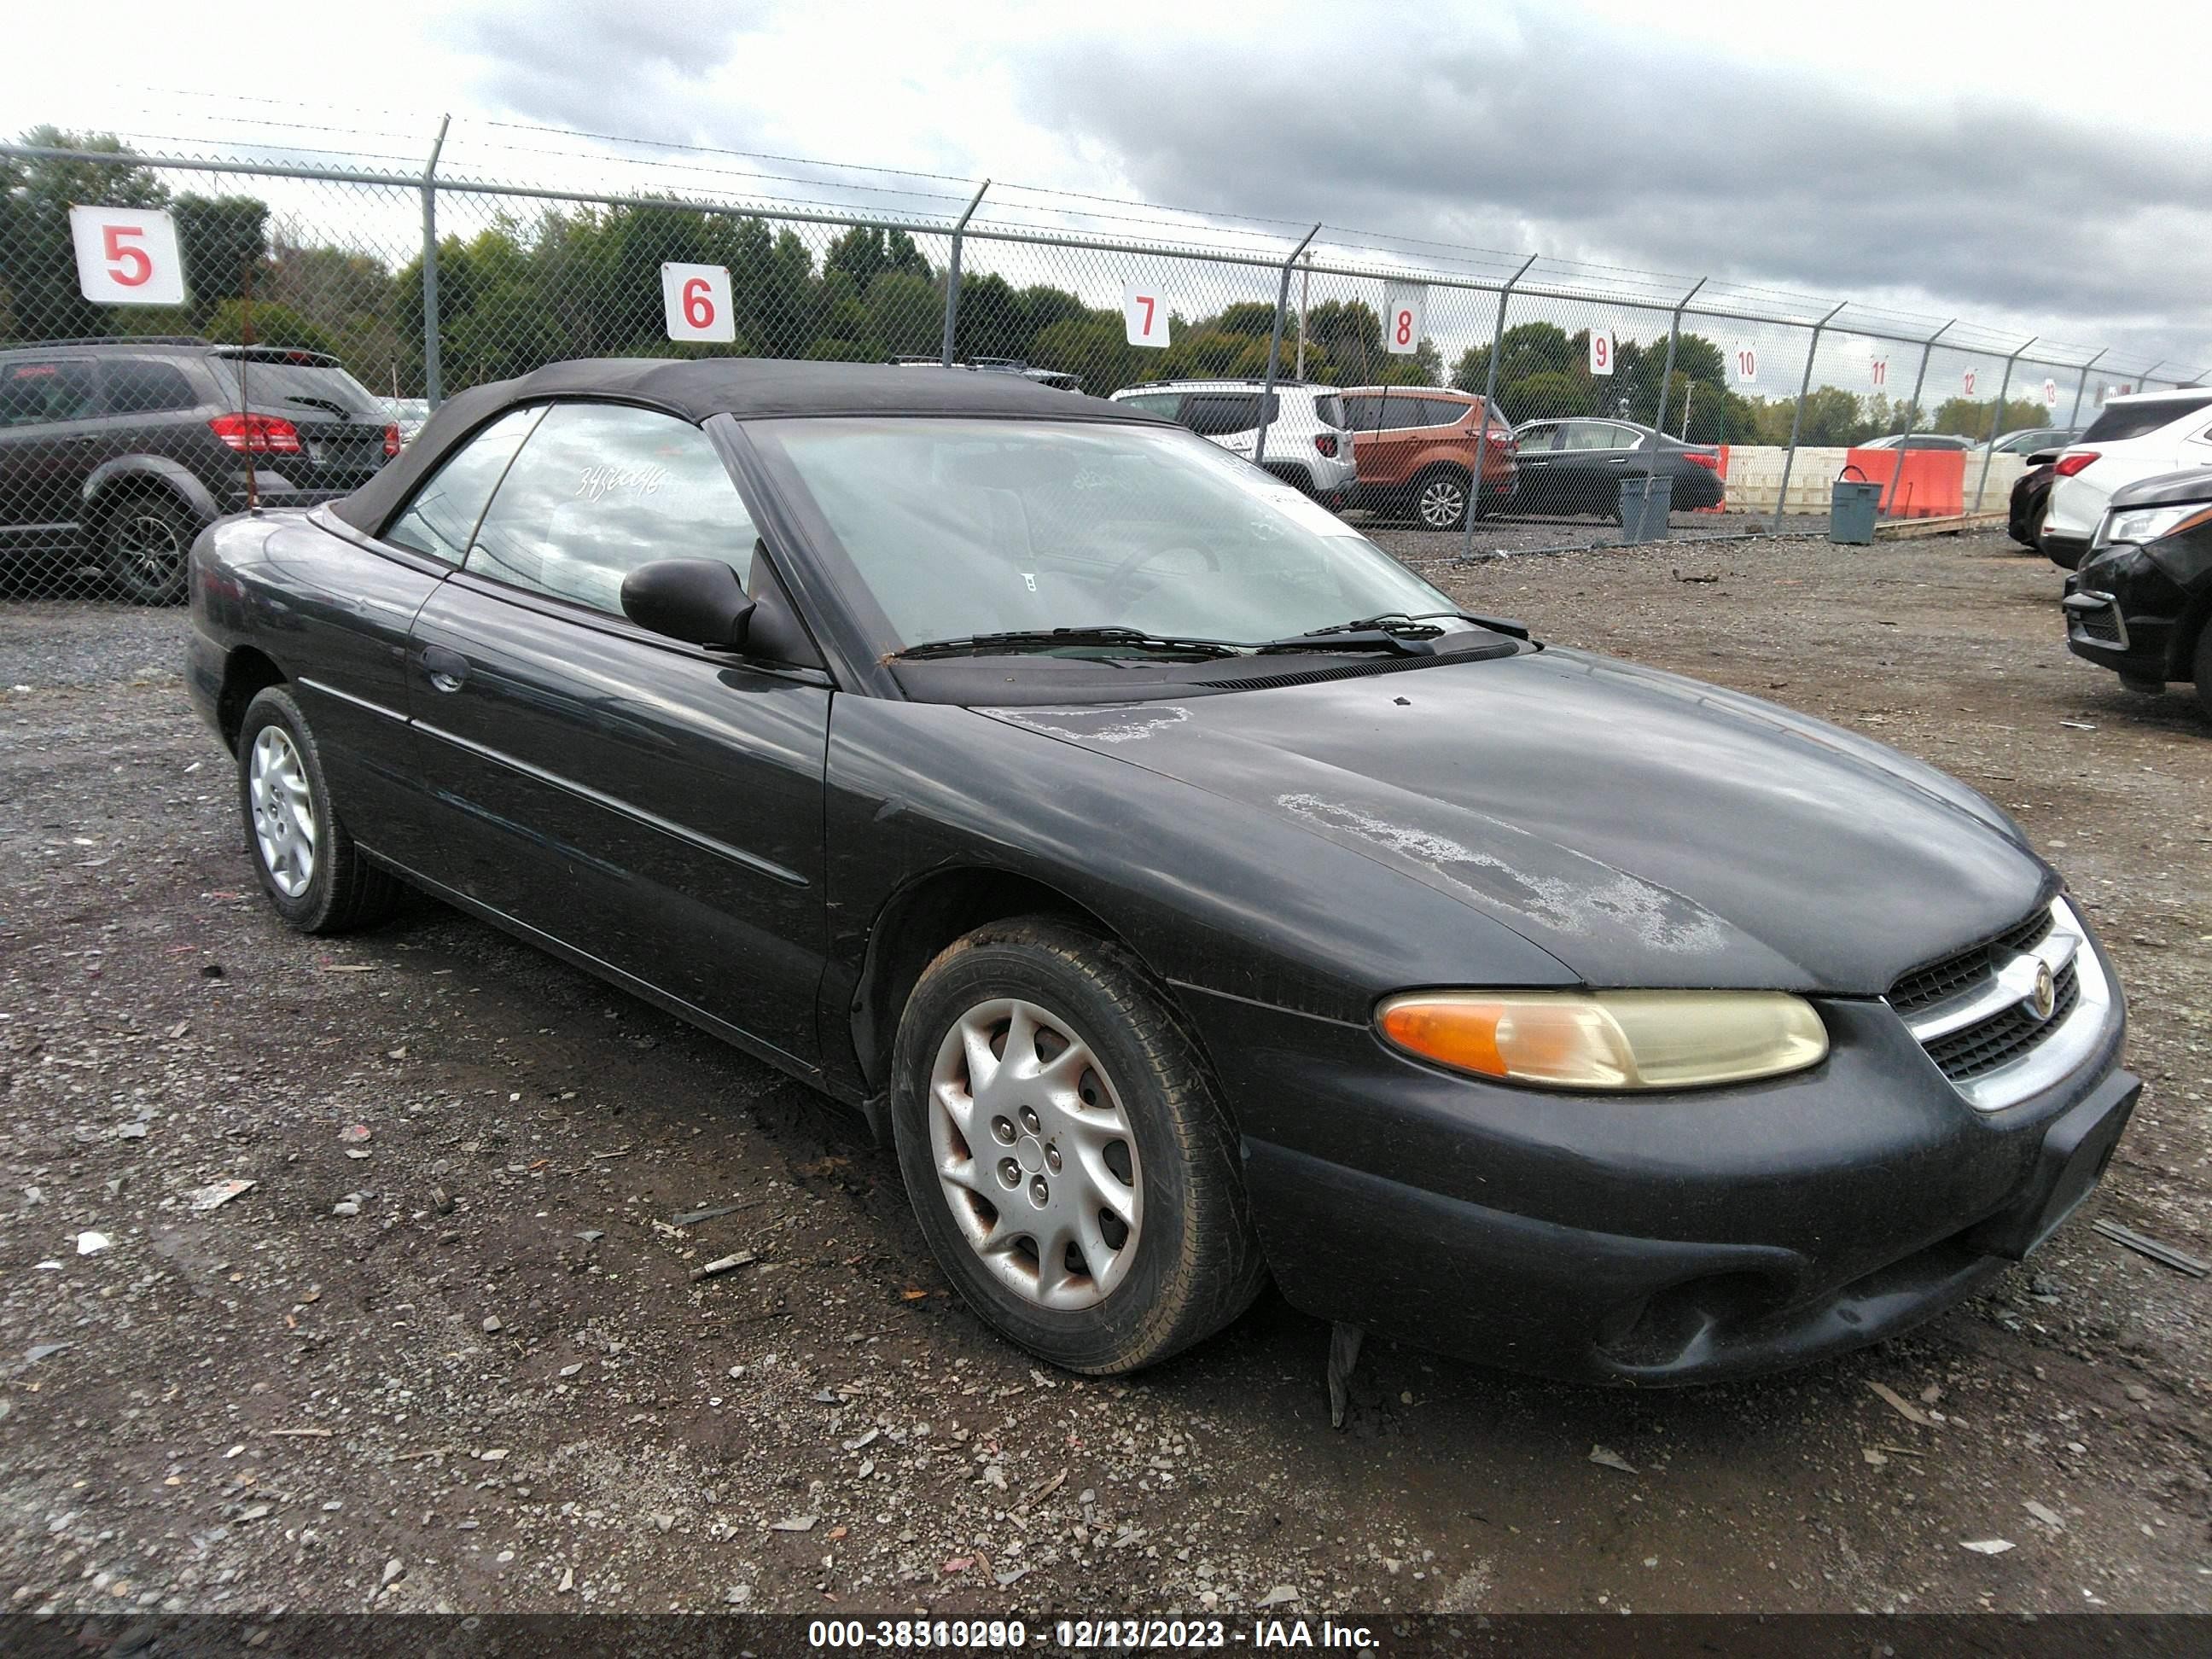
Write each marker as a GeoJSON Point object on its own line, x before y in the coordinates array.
{"type": "Point", "coordinates": [1618, 460]}
{"type": "Point", "coordinates": [448, 670]}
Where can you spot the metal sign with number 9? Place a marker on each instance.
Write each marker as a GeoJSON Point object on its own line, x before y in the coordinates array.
{"type": "Point", "coordinates": [127, 255]}
{"type": "Point", "coordinates": [1601, 351]}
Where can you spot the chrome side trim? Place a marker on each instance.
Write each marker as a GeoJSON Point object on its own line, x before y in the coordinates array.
{"type": "Point", "coordinates": [327, 691]}
{"type": "Point", "coordinates": [2013, 983]}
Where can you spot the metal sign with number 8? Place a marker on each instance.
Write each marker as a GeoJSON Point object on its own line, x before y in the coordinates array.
{"type": "Point", "coordinates": [1405, 313]}
{"type": "Point", "coordinates": [127, 255]}
{"type": "Point", "coordinates": [697, 301]}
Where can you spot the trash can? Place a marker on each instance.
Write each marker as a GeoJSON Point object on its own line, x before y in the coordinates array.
{"type": "Point", "coordinates": [1644, 504]}
{"type": "Point", "coordinates": [1851, 509]}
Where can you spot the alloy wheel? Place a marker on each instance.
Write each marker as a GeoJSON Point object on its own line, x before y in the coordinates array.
{"type": "Point", "coordinates": [1035, 1154]}
{"type": "Point", "coordinates": [283, 812]}
{"type": "Point", "coordinates": [147, 543]}
{"type": "Point", "coordinates": [1441, 504]}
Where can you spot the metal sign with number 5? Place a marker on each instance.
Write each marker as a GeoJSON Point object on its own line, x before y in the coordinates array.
{"type": "Point", "coordinates": [1144, 315]}
{"type": "Point", "coordinates": [127, 255]}
{"type": "Point", "coordinates": [697, 301]}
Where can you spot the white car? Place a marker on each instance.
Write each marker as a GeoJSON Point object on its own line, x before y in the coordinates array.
{"type": "Point", "coordinates": [2135, 437]}
{"type": "Point", "coordinates": [1308, 442]}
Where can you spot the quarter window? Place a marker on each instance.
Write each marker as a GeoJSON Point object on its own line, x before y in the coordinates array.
{"type": "Point", "coordinates": [598, 491]}
{"type": "Point", "coordinates": [1212, 413]}
{"type": "Point", "coordinates": [443, 514]}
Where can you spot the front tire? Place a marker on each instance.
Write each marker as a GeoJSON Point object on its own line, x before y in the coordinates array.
{"type": "Point", "coordinates": [308, 864]}
{"type": "Point", "coordinates": [1065, 1151]}
{"type": "Point", "coordinates": [145, 546]}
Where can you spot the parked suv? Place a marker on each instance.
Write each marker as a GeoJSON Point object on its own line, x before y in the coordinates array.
{"type": "Point", "coordinates": [122, 450]}
{"type": "Point", "coordinates": [2135, 437]}
{"type": "Point", "coordinates": [1415, 449]}
{"type": "Point", "coordinates": [1308, 444]}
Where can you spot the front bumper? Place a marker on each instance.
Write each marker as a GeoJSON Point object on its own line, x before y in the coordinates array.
{"type": "Point", "coordinates": [2124, 613]}
{"type": "Point", "coordinates": [1657, 1240]}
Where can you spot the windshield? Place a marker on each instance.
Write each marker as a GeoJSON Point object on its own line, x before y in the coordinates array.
{"type": "Point", "coordinates": [958, 528]}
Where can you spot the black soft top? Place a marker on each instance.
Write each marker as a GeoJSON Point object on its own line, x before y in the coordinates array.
{"type": "Point", "coordinates": [751, 388]}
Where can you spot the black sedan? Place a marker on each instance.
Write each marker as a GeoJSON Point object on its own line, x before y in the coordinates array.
{"type": "Point", "coordinates": [1576, 466]}
{"type": "Point", "coordinates": [1188, 891]}
{"type": "Point", "coordinates": [2140, 601]}
{"type": "Point", "coordinates": [2031, 500]}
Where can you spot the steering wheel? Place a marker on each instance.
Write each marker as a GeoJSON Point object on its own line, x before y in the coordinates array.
{"type": "Point", "coordinates": [1118, 579]}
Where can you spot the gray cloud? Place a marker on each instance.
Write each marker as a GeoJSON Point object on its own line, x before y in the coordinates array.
{"type": "Point", "coordinates": [1550, 135]}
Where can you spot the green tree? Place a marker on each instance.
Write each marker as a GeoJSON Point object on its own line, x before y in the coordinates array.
{"type": "Point", "coordinates": [38, 294]}
{"type": "Point", "coordinates": [1526, 349]}
{"type": "Point", "coordinates": [1543, 396]}
{"type": "Point", "coordinates": [274, 324]}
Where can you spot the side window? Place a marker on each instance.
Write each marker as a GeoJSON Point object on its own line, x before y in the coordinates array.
{"type": "Point", "coordinates": [1591, 435]}
{"type": "Point", "coordinates": [444, 512]}
{"type": "Point", "coordinates": [1328, 409]}
{"type": "Point", "coordinates": [1536, 440]}
{"type": "Point", "coordinates": [600, 490]}
{"type": "Point", "coordinates": [1212, 412]}
{"type": "Point", "coordinates": [1162, 404]}
{"type": "Point", "coordinates": [40, 390]}
{"type": "Point", "coordinates": [139, 386]}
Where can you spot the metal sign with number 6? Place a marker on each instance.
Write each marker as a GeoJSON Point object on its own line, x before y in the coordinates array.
{"type": "Point", "coordinates": [697, 301]}
{"type": "Point", "coordinates": [1144, 315]}
{"type": "Point", "coordinates": [1601, 351]}
{"type": "Point", "coordinates": [1405, 313]}
{"type": "Point", "coordinates": [127, 255]}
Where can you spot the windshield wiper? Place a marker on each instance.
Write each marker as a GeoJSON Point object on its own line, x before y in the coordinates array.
{"type": "Point", "coordinates": [1051, 638]}
{"type": "Point", "coordinates": [1352, 636]}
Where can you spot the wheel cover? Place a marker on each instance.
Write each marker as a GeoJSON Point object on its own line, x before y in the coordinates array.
{"type": "Point", "coordinates": [147, 543]}
{"type": "Point", "coordinates": [1442, 502]}
{"type": "Point", "coordinates": [1035, 1154]}
{"type": "Point", "coordinates": [282, 811]}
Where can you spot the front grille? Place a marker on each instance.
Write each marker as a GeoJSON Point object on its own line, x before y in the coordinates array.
{"type": "Point", "coordinates": [2101, 625]}
{"type": "Point", "coordinates": [1980, 1049]}
{"type": "Point", "coordinates": [1924, 987]}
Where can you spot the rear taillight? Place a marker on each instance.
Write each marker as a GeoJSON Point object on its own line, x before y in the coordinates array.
{"type": "Point", "coordinates": [390, 441]}
{"type": "Point", "coordinates": [1699, 458]}
{"type": "Point", "coordinates": [1325, 442]}
{"type": "Point", "coordinates": [257, 434]}
{"type": "Point", "coordinates": [2068, 466]}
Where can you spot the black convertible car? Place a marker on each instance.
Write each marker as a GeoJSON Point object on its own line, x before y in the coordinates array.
{"type": "Point", "coordinates": [1189, 892]}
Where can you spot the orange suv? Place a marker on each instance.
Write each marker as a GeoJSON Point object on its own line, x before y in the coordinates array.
{"type": "Point", "coordinates": [1414, 447]}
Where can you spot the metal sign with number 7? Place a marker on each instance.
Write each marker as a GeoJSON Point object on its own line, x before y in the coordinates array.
{"type": "Point", "coordinates": [1144, 315]}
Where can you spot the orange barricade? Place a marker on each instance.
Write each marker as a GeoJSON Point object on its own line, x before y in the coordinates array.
{"type": "Point", "coordinates": [1931, 484]}
{"type": "Point", "coordinates": [1722, 506]}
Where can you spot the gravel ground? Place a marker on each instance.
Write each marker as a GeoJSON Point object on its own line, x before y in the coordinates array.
{"type": "Point", "coordinates": [447, 1351]}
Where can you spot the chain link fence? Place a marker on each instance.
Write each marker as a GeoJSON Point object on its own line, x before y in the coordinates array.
{"type": "Point", "coordinates": [1524, 406]}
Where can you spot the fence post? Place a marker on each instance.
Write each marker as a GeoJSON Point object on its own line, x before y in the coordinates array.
{"type": "Point", "coordinates": [1275, 349]}
{"type": "Point", "coordinates": [431, 389]}
{"type": "Point", "coordinates": [1797, 418]}
{"type": "Point", "coordinates": [1996, 420]}
{"type": "Point", "coordinates": [1659, 424]}
{"type": "Point", "coordinates": [1912, 413]}
{"type": "Point", "coordinates": [953, 275]}
{"type": "Point", "coordinates": [2082, 386]}
{"type": "Point", "coordinates": [1489, 403]}
{"type": "Point", "coordinates": [2143, 382]}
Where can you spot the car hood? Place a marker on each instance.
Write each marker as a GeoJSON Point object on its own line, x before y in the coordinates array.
{"type": "Point", "coordinates": [1642, 828]}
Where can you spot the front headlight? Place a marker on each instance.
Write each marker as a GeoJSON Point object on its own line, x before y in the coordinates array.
{"type": "Point", "coordinates": [1608, 1040]}
{"type": "Point", "coordinates": [2148, 524]}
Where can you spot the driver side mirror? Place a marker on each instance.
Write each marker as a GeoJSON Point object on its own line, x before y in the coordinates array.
{"type": "Point", "coordinates": [698, 601]}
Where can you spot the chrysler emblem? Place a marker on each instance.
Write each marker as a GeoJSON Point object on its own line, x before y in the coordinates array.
{"type": "Point", "coordinates": [2045, 997]}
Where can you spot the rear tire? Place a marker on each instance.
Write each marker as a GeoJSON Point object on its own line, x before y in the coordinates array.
{"type": "Point", "coordinates": [145, 546]}
{"type": "Point", "coordinates": [308, 864]}
{"type": "Point", "coordinates": [1086, 1204]}
{"type": "Point", "coordinates": [1440, 499]}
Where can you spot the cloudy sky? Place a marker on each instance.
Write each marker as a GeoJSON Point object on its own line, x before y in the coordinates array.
{"type": "Point", "coordinates": [2042, 169]}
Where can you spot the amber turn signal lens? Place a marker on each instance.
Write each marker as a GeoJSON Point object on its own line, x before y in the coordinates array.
{"type": "Point", "coordinates": [1608, 1040]}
